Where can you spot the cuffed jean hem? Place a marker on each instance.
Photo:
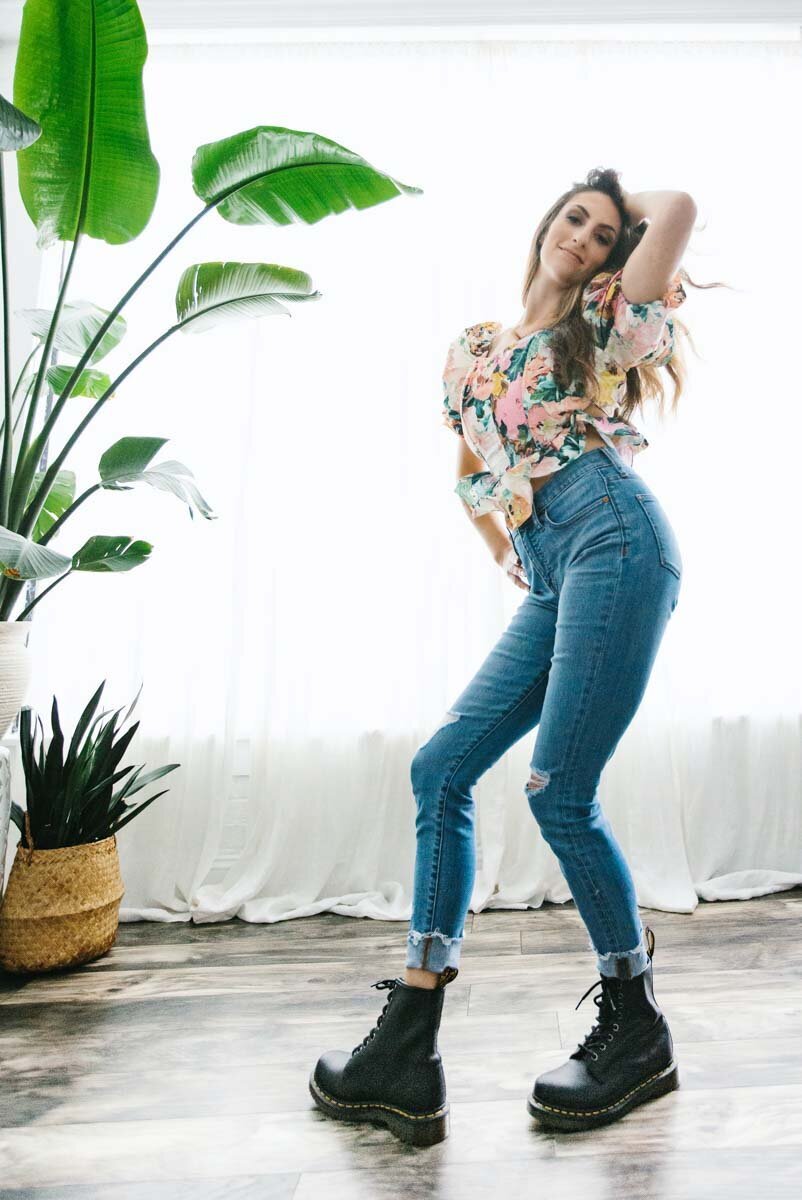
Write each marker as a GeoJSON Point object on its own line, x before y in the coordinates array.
{"type": "Point", "coordinates": [624, 964]}
{"type": "Point", "coordinates": [432, 951]}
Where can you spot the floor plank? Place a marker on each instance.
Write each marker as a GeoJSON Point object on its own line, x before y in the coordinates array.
{"type": "Point", "coordinates": [177, 1064]}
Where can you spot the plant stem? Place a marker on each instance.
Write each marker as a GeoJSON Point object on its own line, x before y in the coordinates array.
{"type": "Point", "coordinates": [84, 359]}
{"type": "Point", "coordinates": [22, 406]}
{"type": "Point", "coordinates": [87, 354]}
{"type": "Point", "coordinates": [28, 458]}
{"type": "Point", "coordinates": [20, 378]}
{"type": "Point", "coordinates": [54, 528]}
{"type": "Point", "coordinates": [42, 595]}
{"type": "Point", "coordinates": [35, 506]}
{"type": "Point", "coordinates": [8, 434]}
{"type": "Point", "coordinates": [21, 375]}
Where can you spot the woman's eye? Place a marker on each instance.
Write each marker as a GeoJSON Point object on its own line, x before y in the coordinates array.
{"type": "Point", "coordinates": [604, 241]}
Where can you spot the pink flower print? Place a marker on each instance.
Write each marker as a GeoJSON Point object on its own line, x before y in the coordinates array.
{"type": "Point", "coordinates": [558, 408]}
{"type": "Point", "coordinates": [571, 403]}
{"type": "Point", "coordinates": [607, 425]}
{"type": "Point", "coordinates": [503, 359]}
{"type": "Point", "coordinates": [483, 384]}
{"type": "Point", "coordinates": [556, 441]}
{"type": "Point", "coordinates": [509, 409]}
{"type": "Point", "coordinates": [538, 366]}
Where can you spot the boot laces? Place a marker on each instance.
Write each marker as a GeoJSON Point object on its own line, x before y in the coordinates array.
{"type": "Point", "coordinates": [382, 983]}
{"type": "Point", "coordinates": [608, 1004]}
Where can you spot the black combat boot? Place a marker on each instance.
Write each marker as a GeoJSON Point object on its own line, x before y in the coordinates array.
{"type": "Point", "coordinates": [626, 1059]}
{"type": "Point", "coordinates": [395, 1075]}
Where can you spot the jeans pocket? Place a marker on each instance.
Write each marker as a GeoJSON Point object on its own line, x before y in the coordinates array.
{"type": "Point", "coordinates": [578, 500]}
{"type": "Point", "coordinates": [667, 546]}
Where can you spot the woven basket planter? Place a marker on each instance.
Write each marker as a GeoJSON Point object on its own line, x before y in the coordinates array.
{"type": "Point", "coordinates": [61, 907]}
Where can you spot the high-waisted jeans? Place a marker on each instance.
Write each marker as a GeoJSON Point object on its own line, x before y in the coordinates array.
{"type": "Point", "coordinates": [604, 572]}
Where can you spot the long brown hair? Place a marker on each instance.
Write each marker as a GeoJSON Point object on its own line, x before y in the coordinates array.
{"type": "Point", "coordinates": [572, 342]}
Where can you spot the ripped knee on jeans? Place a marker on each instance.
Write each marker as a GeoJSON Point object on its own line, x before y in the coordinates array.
{"type": "Point", "coordinates": [448, 719]}
{"type": "Point", "coordinates": [537, 781]}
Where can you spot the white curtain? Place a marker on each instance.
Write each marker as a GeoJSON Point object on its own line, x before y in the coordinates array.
{"type": "Point", "coordinates": [297, 650]}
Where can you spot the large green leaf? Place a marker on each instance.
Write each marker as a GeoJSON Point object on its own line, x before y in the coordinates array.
{"type": "Point", "coordinates": [59, 499]}
{"type": "Point", "coordinates": [277, 176]}
{"type": "Point", "coordinates": [104, 552]}
{"type": "Point", "coordinates": [93, 384]}
{"type": "Point", "coordinates": [78, 323]}
{"type": "Point", "coordinates": [124, 463]}
{"type": "Point", "coordinates": [208, 291]}
{"type": "Point", "coordinates": [16, 130]}
{"type": "Point", "coordinates": [21, 558]}
{"type": "Point", "coordinates": [79, 74]}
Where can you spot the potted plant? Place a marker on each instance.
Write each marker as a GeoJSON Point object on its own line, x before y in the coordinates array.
{"type": "Point", "coordinates": [61, 905]}
{"type": "Point", "coordinates": [78, 128]}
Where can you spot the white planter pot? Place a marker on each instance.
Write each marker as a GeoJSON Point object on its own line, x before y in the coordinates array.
{"type": "Point", "coordinates": [5, 810]}
{"type": "Point", "coordinates": [15, 670]}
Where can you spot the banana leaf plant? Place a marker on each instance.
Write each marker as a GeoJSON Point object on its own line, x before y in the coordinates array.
{"type": "Point", "coordinates": [85, 169]}
{"type": "Point", "coordinates": [71, 801]}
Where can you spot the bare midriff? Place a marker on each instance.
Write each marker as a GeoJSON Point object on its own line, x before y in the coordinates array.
{"type": "Point", "coordinates": [592, 441]}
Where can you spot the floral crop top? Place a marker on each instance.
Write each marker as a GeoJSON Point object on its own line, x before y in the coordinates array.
{"type": "Point", "coordinates": [511, 412]}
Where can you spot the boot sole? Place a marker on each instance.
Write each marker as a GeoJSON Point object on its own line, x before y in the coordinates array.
{"type": "Point", "coordinates": [564, 1118]}
{"type": "Point", "coordinates": [417, 1129]}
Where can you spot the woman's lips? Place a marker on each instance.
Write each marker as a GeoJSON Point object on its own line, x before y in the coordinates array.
{"type": "Point", "coordinates": [573, 256]}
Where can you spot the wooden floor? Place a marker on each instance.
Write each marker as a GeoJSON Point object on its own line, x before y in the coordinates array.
{"type": "Point", "coordinates": [177, 1065]}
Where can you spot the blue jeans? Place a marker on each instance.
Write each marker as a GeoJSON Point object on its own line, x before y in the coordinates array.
{"type": "Point", "coordinates": [604, 572]}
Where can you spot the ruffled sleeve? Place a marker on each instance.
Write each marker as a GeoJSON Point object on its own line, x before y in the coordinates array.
{"type": "Point", "coordinates": [451, 416]}
{"type": "Point", "coordinates": [630, 334]}
{"type": "Point", "coordinates": [459, 360]}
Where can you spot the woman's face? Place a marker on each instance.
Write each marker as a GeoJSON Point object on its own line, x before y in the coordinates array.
{"type": "Point", "coordinates": [581, 236]}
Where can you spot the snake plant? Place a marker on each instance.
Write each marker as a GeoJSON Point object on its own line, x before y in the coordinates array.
{"type": "Point", "coordinates": [70, 801]}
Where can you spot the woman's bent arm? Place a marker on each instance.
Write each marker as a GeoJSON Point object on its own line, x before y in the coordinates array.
{"type": "Point", "coordinates": [490, 526]}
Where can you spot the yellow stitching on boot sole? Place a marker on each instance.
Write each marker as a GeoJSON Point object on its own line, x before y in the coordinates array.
{"type": "Point", "coordinates": [368, 1104]}
{"type": "Point", "coordinates": [593, 1112]}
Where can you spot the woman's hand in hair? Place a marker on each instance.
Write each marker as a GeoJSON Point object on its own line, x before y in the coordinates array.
{"type": "Point", "coordinates": [631, 206]}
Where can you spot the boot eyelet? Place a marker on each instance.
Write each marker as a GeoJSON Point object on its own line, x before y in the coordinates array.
{"type": "Point", "coordinates": [595, 1057]}
{"type": "Point", "coordinates": [603, 1047]}
{"type": "Point", "coordinates": [615, 1026]}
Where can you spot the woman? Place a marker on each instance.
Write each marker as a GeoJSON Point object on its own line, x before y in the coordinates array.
{"type": "Point", "coordinates": [542, 413]}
